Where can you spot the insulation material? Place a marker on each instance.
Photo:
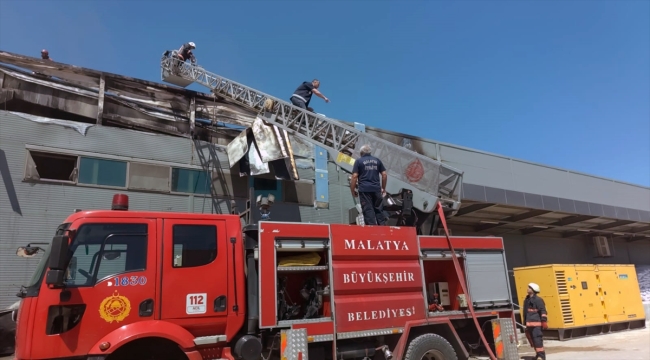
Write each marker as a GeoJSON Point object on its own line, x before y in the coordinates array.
{"type": "Point", "coordinates": [267, 141]}
{"type": "Point", "coordinates": [79, 127]}
{"type": "Point", "coordinates": [308, 259]}
{"type": "Point", "coordinates": [643, 275]}
{"type": "Point", "coordinates": [263, 149]}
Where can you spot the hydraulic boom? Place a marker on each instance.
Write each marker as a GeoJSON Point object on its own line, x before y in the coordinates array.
{"type": "Point", "coordinates": [428, 180]}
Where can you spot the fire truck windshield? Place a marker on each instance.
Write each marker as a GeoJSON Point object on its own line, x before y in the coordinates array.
{"type": "Point", "coordinates": [100, 250]}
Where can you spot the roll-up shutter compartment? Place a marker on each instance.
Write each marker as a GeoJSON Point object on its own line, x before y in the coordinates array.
{"type": "Point", "coordinates": [487, 278]}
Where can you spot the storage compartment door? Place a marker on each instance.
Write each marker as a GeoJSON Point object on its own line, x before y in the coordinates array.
{"type": "Point", "coordinates": [487, 279]}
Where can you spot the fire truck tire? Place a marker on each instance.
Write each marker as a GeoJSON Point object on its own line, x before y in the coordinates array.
{"type": "Point", "coordinates": [149, 349]}
{"type": "Point", "coordinates": [430, 347]}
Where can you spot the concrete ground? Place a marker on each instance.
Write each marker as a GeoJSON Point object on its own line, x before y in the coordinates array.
{"type": "Point", "coordinates": [627, 345]}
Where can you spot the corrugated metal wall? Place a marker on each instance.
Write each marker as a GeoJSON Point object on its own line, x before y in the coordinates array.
{"type": "Point", "coordinates": [42, 207]}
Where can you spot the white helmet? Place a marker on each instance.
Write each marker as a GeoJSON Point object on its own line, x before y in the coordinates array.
{"type": "Point", "coordinates": [534, 287]}
{"type": "Point", "coordinates": [193, 45]}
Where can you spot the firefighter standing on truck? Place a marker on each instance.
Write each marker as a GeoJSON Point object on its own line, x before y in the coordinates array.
{"type": "Point", "coordinates": [534, 311]}
{"type": "Point", "coordinates": [367, 170]}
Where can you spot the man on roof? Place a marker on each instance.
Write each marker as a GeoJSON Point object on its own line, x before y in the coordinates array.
{"type": "Point", "coordinates": [302, 96]}
{"type": "Point", "coordinates": [45, 55]}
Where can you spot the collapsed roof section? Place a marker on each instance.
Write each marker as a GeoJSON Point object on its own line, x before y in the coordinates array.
{"type": "Point", "coordinates": [55, 90]}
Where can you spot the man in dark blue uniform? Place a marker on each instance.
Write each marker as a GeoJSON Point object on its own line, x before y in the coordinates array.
{"type": "Point", "coordinates": [535, 318]}
{"type": "Point", "coordinates": [302, 96]}
{"type": "Point", "coordinates": [371, 192]}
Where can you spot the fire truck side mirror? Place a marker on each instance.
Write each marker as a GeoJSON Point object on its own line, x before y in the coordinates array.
{"type": "Point", "coordinates": [58, 256]}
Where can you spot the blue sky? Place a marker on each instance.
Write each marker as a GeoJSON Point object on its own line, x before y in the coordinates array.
{"type": "Point", "coordinates": [562, 83]}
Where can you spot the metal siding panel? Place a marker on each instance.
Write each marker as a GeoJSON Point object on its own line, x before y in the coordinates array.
{"type": "Point", "coordinates": [320, 158]}
{"type": "Point", "coordinates": [596, 190]}
{"type": "Point", "coordinates": [515, 198]}
{"type": "Point", "coordinates": [551, 203]}
{"type": "Point", "coordinates": [567, 205]}
{"type": "Point", "coordinates": [596, 209]}
{"type": "Point", "coordinates": [621, 213]}
{"type": "Point", "coordinates": [582, 207]}
{"type": "Point", "coordinates": [474, 192]}
{"type": "Point", "coordinates": [493, 195]}
{"type": "Point", "coordinates": [322, 186]}
{"type": "Point", "coordinates": [534, 201]}
{"type": "Point", "coordinates": [635, 215]}
{"type": "Point", "coordinates": [609, 211]}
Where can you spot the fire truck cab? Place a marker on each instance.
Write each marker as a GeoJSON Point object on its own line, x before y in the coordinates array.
{"type": "Point", "coordinates": [159, 285]}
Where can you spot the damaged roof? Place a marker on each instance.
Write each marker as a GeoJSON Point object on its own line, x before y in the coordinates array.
{"type": "Point", "coordinates": [127, 101]}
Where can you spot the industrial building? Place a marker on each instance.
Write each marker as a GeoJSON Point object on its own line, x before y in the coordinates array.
{"type": "Point", "coordinates": [72, 137]}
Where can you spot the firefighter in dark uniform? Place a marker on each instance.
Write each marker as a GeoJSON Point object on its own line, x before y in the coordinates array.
{"type": "Point", "coordinates": [534, 311]}
{"type": "Point", "coordinates": [302, 96]}
{"type": "Point", "coordinates": [185, 52]}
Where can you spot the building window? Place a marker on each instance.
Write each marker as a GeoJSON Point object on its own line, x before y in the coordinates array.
{"type": "Point", "coordinates": [42, 166]}
{"type": "Point", "coordinates": [102, 172]}
{"type": "Point", "coordinates": [194, 245]}
{"type": "Point", "coordinates": [148, 177]}
{"type": "Point", "coordinates": [190, 181]}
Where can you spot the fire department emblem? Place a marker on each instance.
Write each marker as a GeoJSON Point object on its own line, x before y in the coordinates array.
{"type": "Point", "coordinates": [414, 171]}
{"type": "Point", "coordinates": [115, 308]}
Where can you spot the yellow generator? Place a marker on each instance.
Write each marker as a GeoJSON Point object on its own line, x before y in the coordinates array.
{"type": "Point", "coordinates": [584, 300]}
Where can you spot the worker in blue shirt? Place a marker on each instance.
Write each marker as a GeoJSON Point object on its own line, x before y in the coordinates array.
{"type": "Point", "coordinates": [302, 96]}
{"type": "Point", "coordinates": [371, 192]}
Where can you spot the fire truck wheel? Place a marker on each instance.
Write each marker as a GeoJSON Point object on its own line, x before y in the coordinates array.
{"type": "Point", "coordinates": [149, 349]}
{"type": "Point", "coordinates": [430, 347]}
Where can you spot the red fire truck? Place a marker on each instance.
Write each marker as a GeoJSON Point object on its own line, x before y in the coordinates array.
{"type": "Point", "coordinates": [118, 284]}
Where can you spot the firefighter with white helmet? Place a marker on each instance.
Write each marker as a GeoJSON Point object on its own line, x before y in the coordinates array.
{"type": "Point", "coordinates": [535, 318]}
{"type": "Point", "coordinates": [185, 52]}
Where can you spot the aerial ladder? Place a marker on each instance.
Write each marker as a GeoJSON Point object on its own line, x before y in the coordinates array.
{"type": "Point", "coordinates": [417, 182]}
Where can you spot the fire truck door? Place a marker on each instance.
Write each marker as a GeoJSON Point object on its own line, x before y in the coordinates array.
{"type": "Point", "coordinates": [195, 271]}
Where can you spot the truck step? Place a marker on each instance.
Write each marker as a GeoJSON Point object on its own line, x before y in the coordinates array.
{"type": "Point", "coordinates": [208, 340]}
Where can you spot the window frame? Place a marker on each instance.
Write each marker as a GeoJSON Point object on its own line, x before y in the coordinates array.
{"type": "Point", "coordinates": [214, 175]}
{"type": "Point", "coordinates": [126, 174]}
{"type": "Point", "coordinates": [140, 162]}
{"type": "Point", "coordinates": [200, 170]}
{"type": "Point", "coordinates": [216, 245]}
{"type": "Point", "coordinates": [28, 156]}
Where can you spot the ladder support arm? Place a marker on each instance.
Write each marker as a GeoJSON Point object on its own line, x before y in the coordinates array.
{"type": "Point", "coordinates": [429, 180]}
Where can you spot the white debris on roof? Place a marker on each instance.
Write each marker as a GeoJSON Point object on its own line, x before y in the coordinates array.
{"type": "Point", "coordinates": [643, 274]}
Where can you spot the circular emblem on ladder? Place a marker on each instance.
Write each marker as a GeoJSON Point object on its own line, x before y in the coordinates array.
{"type": "Point", "coordinates": [115, 308]}
{"type": "Point", "coordinates": [414, 171]}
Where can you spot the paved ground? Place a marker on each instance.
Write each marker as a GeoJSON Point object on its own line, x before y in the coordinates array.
{"type": "Point", "coordinates": [628, 345]}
